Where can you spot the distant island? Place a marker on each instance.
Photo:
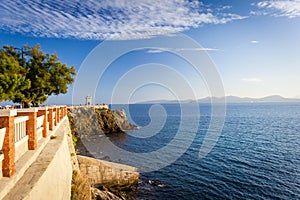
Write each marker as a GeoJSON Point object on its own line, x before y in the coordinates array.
{"type": "Point", "coordinates": [229, 99]}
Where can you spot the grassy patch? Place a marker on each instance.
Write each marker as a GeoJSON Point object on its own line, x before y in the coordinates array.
{"type": "Point", "coordinates": [73, 128]}
{"type": "Point", "coordinates": [53, 137]}
{"type": "Point", "coordinates": [81, 189]}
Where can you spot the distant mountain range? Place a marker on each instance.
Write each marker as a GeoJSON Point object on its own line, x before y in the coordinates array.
{"type": "Point", "coordinates": [229, 99]}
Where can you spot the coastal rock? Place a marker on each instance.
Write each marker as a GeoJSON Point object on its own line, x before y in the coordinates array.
{"type": "Point", "coordinates": [108, 180]}
{"type": "Point", "coordinates": [109, 121]}
{"type": "Point", "coordinates": [103, 194]}
{"type": "Point", "coordinates": [122, 121]}
{"type": "Point", "coordinates": [113, 121]}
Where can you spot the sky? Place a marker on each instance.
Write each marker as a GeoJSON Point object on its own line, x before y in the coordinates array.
{"type": "Point", "coordinates": [251, 47]}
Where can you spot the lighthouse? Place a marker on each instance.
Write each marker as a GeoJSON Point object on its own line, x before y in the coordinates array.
{"type": "Point", "coordinates": [88, 100]}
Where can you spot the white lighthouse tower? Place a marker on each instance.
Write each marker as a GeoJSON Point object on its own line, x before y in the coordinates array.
{"type": "Point", "coordinates": [88, 100]}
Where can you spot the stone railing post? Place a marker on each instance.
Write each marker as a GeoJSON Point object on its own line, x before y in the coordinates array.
{"type": "Point", "coordinates": [44, 111]}
{"type": "Point", "coordinates": [50, 119]}
{"type": "Point", "coordinates": [30, 126]}
{"type": "Point", "coordinates": [7, 120]}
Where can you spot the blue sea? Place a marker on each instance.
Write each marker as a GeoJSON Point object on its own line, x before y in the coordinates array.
{"type": "Point", "coordinates": [256, 156]}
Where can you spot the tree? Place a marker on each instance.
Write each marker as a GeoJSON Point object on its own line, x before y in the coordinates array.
{"type": "Point", "coordinates": [12, 75]}
{"type": "Point", "coordinates": [45, 72]}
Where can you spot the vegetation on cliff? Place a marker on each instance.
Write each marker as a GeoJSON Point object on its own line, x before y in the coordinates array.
{"type": "Point", "coordinates": [74, 133]}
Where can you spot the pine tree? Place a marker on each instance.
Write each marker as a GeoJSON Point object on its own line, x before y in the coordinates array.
{"type": "Point", "coordinates": [12, 75]}
{"type": "Point", "coordinates": [39, 75]}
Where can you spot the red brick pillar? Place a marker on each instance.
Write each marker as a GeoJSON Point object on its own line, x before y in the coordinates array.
{"type": "Point", "coordinates": [44, 111]}
{"type": "Point", "coordinates": [63, 108]}
{"type": "Point", "coordinates": [50, 119]}
{"type": "Point", "coordinates": [57, 114]}
{"type": "Point", "coordinates": [65, 111]}
{"type": "Point", "coordinates": [61, 113]}
{"type": "Point", "coordinates": [30, 126]}
{"type": "Point", "coordinates": [7, 120]}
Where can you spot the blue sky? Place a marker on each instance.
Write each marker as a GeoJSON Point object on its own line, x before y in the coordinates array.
{"type": "Point", "coordinates": [255, 45]}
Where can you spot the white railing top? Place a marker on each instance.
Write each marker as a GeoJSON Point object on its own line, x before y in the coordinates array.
{"type": "Point", "coordinates": [39, 121]}
{"type": "Point", "coordinates": [21, 119]}
{"type": "Point", "coordinates": [44, 108]}
{"type": "Point", "coordinates": [28, 110]}
{"type": "Point", "coordinates": [8, 113]}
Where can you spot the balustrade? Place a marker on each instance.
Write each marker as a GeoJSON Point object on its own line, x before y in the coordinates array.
{"type": "Point", "coordinates": [20, 131]}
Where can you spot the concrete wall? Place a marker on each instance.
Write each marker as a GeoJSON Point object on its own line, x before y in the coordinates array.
{"type": "Point", "coordinates": [109, 174]}
{"type": "Point", "coordinates": [21, 147]}
{"type": "Point", "coordinates": [50, 176]}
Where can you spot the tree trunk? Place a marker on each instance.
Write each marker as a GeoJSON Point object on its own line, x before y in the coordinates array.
{"type": "Point", "coordinates": [35, 104]}
{"type": "Point", "coordinates": [26, 104]}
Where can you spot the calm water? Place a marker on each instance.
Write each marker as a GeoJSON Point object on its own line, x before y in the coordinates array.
{"type": "Point", "coordinates": [257, 155]}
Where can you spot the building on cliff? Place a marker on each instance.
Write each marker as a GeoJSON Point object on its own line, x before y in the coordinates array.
{"type": "Point", "coordinates": [88, 100]}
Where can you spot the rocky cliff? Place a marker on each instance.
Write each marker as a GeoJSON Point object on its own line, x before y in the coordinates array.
{"type": "Point", "coordinates": [92, 178]}
{"type": "Point", "coordinates": [110, 121]}
{"type": "Point", "coordinates": [113, 121]}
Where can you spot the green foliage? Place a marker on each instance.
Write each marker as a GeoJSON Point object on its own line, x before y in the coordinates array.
{"type": "Point", "coordinates": [12, 76]}
{"type": "Point", "coordinates": [74, 139]}
{"type": "Point", "coordinates": [73, 128]}
{"type": "Point", "coordinates": [30, 76]}
{"type": "Point", "coordinates": [53, 137]}
{"type": "Point", "coordinates": [80, 187]}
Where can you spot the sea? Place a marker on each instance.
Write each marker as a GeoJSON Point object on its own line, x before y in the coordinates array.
{"type": "Point", "coordinates": [256, 155]}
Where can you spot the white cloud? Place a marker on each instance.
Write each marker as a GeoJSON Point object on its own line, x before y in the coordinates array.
{"type": "Point", "coordinates": [161, 50]}
{"type": "Point", "coordinates": [282, 8]}
{"type": "Point", "coordinates": [157, 50]}
{"type": "Point", "coordinates": [254, 42]}
{"type": "Point", "coordinates": [257, 80]}
{"type": "Point", "coordinates": [196, 49]}
{"type": "Point", "coordinates": [107, 19]}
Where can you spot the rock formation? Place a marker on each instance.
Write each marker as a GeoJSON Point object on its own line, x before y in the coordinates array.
{"type": "Point", "coordinates": [110, 121]}
{"type": "Point", "coordinates": [113, 121]}
{"type": "Point", "coordinates": [92, 178]}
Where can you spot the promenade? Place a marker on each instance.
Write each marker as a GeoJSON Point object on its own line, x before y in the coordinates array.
{"type": "Point", "coordinates": [23, 135]}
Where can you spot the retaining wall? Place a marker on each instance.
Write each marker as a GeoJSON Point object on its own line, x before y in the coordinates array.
{"type": "Point", "coordinates": [50, 176]}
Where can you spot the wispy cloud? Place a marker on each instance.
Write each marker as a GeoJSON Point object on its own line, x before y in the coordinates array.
{"type": "Point", "coordinates": [161, 50]}
{"type": "Point", "coordinates": [257, 80]}
{"type": "Point", "coordinates": [107, 19]}
{"type": "Point", "coordinates": [280, 8]}
{"type": "Point", "coordinates": [254, 42]}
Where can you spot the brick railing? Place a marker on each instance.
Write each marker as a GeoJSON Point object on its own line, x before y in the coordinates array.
{"type": "Point", "coordinates": [22, 129]}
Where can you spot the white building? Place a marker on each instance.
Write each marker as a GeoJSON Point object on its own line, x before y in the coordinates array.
{"type": "Point", "coordinates": [88, 101]}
